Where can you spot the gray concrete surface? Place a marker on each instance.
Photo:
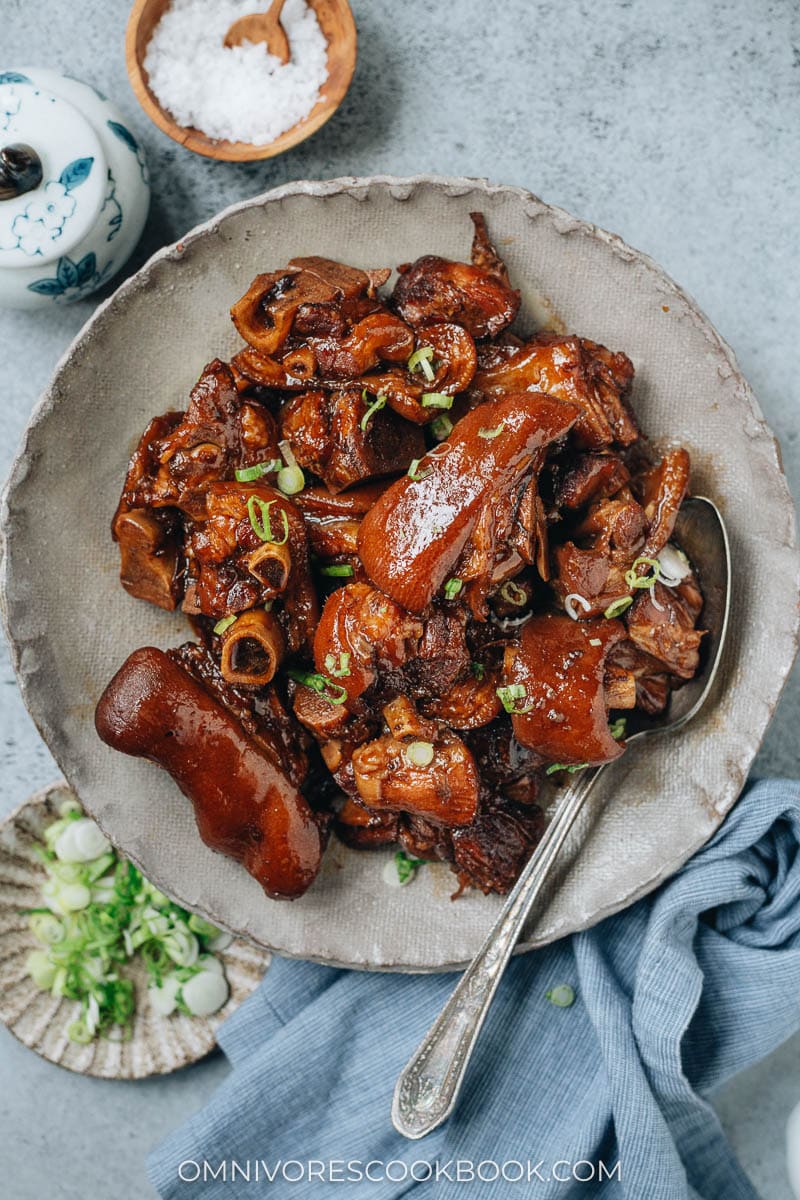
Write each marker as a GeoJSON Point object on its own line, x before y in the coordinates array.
{"type": "Point", "coordinates": [675, 123]}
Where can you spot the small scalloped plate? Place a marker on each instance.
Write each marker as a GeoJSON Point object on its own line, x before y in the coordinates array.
{"type": "Point", "coordinates": [159, 1044]}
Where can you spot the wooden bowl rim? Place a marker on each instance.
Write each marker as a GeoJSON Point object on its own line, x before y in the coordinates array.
{"type": "Point", "coordinates": [221, 149]}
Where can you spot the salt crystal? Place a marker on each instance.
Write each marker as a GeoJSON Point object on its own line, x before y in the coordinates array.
{"type": "Point", "coordinates": [241, 93]}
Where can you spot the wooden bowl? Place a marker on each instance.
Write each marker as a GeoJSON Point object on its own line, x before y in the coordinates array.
{"type": "Point", "coordinates": [337, 24]}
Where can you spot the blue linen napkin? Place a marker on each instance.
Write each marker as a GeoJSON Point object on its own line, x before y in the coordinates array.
{"type": "Point", "coordinates": [674, 996]}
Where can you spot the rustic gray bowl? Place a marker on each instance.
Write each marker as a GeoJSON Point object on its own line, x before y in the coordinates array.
{"type": "Point", "coordinates": [70, 624]}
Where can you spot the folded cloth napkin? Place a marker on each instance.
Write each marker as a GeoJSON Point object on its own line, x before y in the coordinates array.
{"type": "Point", "coordinates": [604, 1098]}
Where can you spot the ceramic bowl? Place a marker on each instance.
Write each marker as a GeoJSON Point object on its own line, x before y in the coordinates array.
{"type": "Point", "coordinates": [71, 625]}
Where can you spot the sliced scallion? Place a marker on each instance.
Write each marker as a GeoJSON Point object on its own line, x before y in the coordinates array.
{"type": "Point", "coordinates": [453, 587]}
{"type": "Point", "coordinates": [489, 434]}
{"type": "Point", "coordinates": [415, 473]}
{"type": "Point", "coordinates": [422, 359]}
{"type": "Point", "coordinates": [570, 768]}
{"type": "Point", "coordinates": [617, 729]}
{"type": "Point", "coordinates": [258, 512]}
{"type": "Point", "coordinates": [634, 580]}
{"type": "Point", "coordinates": [436, 400]}
{"type": "Point", "coordinates": [510, 697]}
{"type": "Point", "coordinates": [338, 671]}
{"type": "Point", "coordinates": [419, 754]}
{"type": "Point", "coordinates": [334, 693]}
{"type": "Point", "coordinates": [224, 624]}
{"type": "Point", "coordinates": [377, 404]}
{"type": "Point", "coordinates": [441, 428]}
{"type": "Point", "coordinates": [257, 471]}
{"type": "Point", "coordinates": [618, 606]}
{"type": "Point", "coordinates": [562, 996]}
{"type": "Point", "coordinates": [337, 570]}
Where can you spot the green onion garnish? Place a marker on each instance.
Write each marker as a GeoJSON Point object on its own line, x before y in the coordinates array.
{"type": "Point", "coordinates": [569, 768]}
{"type": "Point", "coordinates": [342, 669]}
{"type": "Point", "coordinates": [453, 587]}
{"type": "Point", "coordinates": [291, 479]}
{"type": "Point", "coordinates": [248, 474]}
{"type": "Point", "coordinates": [422, 358]}
{"type": "Point", "coordinates": [415, 473]}
{"type": "Point", "coordinates": [441, 428]}
{"type": "Point", "coordinates": [514, 594]}
{"type": "Point", "coordinates": [488, 434]}
{"type": "Point", "coordinates": [377, 404]}
{"type": "Point", "coordinates": [419, 754]}
{"type": "Point", "coordinates": [635, 580]}
{"type": "Point", "coordinates": [258, 512]}
{"type": "Point", "coordinates": [102, 912]}
{"type": "Point", "coordinates": [337, 570]}
{"type": "Point", "coordinates": [435, 400]}
{"type": "Point", "coordinates": [510, 696]}
{"type": "Point", "coordinates": [617, 607]}
{"type": "Point", "coordinates": [617, 728]}
{"type": "Point", "coordinates": [334, 693]}
{"type": "Point", "coordinates": [224, 624]}
{"type": "Point", "coordinates": [562, 996]}
{"type": "Point", "coordinates": [406, 866]}
{"type": "Point", "coordinates": [478, 670]}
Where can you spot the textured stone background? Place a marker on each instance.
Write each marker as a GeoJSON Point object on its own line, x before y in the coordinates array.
{"type": "Point", "coordinates": [675, 123]}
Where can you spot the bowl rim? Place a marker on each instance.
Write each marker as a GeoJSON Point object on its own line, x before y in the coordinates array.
{"type": "Point", "coordinates": [221, 149]}
{"type": "Point", "coordinates": [402, 188]}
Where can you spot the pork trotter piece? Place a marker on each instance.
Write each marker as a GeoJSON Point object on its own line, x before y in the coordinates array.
{"type": "Point", "coordinates": [244, 805]}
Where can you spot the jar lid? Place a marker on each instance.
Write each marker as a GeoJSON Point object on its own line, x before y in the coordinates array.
{"type": "Point", "coordinates": [53, 174]}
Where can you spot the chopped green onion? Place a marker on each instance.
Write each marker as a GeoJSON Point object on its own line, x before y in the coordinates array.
{"type": "Point", "coordinates": [634, 580]}
{"type": "Point", "coordinates": [415, 473]}
{"type": "Point", "coordinates": [422, 358]}
{"type": "Point", "coordinates": [258, 512]}
{"type": "Point", "coordinates": [338, 570]}
{"type": "Point", "coordinates": [406, 866]}
{"type": "Point", "coordinates": [102, 913]}
{"type": "Point", "coordinates": [225, 623]}
{"type": "Point", "coordinates": [570, 768]}
{"type": "Point", "coordinates": [562, 996]}
{"type": "Point", "coordinates": [617, 607]}
{"type": "Point", "coordinates": [334, 693]}
{"type": "Point", "coordinates": [514, 594]}
{"type": "Point", "coordinates": [488, 434]}
{"type": "Point", "coordinates": [478, 670]}
{"type": "Point", "coordinates": [291, 479]}
{"type": "Point", "coordinates": [595, 641]}
{"type": "Point", "coordinates": [436, 400]}
{"type": "Point", "coordinates": [453, 587]}
{"type": "Point", "coordinates": [617, 728]}
{"type": "Point", "coordinates": [441, 428]}
{"type": "Point", "coordinates": [342, 669]}
{"type": "Point", "coordinates": [510, 696]}
{"type": "Point", "coordinates": [419, 754]}
{"type": "Point", "coordinates": [378, 403]}
{"type": "Point", "coordinates": [249, 474]}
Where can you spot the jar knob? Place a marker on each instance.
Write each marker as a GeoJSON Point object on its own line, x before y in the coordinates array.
{"type": "Point", "coordinates": [20, 170]}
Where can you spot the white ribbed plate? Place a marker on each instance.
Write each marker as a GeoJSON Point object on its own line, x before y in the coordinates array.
{"type": "Point", "coordinates": [159, 1044]}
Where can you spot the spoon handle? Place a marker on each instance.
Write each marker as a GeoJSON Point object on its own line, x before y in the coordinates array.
{"type": "Point", "coordinates": [428, 1087]}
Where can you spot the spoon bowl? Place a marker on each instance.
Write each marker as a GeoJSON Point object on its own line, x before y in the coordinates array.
{"type": "Point", "coordinates": [337, 24]}
{"type": "Point", "coordinates": [428, 1087]}
{"type": "Point", "coordinates": [262, 27]}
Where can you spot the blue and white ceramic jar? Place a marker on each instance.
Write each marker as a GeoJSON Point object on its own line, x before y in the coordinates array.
{"type": "Point", "coordinates": [74, 189]}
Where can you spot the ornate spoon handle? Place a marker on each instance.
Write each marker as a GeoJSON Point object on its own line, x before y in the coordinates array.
{"type": "Point", "coordinates": [428, 1086]}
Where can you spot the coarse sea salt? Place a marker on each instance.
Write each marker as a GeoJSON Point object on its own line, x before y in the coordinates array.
{"type": "Point", "coordinates": [241, 93]}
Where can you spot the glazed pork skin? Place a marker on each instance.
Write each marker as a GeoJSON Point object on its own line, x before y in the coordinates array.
{"type": "Point", "coordinates": [244, 805]}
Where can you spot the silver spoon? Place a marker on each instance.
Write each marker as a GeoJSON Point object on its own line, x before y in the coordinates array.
{"type": "Point", "coordinates": [428, 1087]}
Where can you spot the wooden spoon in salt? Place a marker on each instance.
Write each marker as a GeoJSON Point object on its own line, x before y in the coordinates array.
{"type": "Point", "coordinates": [262, 27]}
